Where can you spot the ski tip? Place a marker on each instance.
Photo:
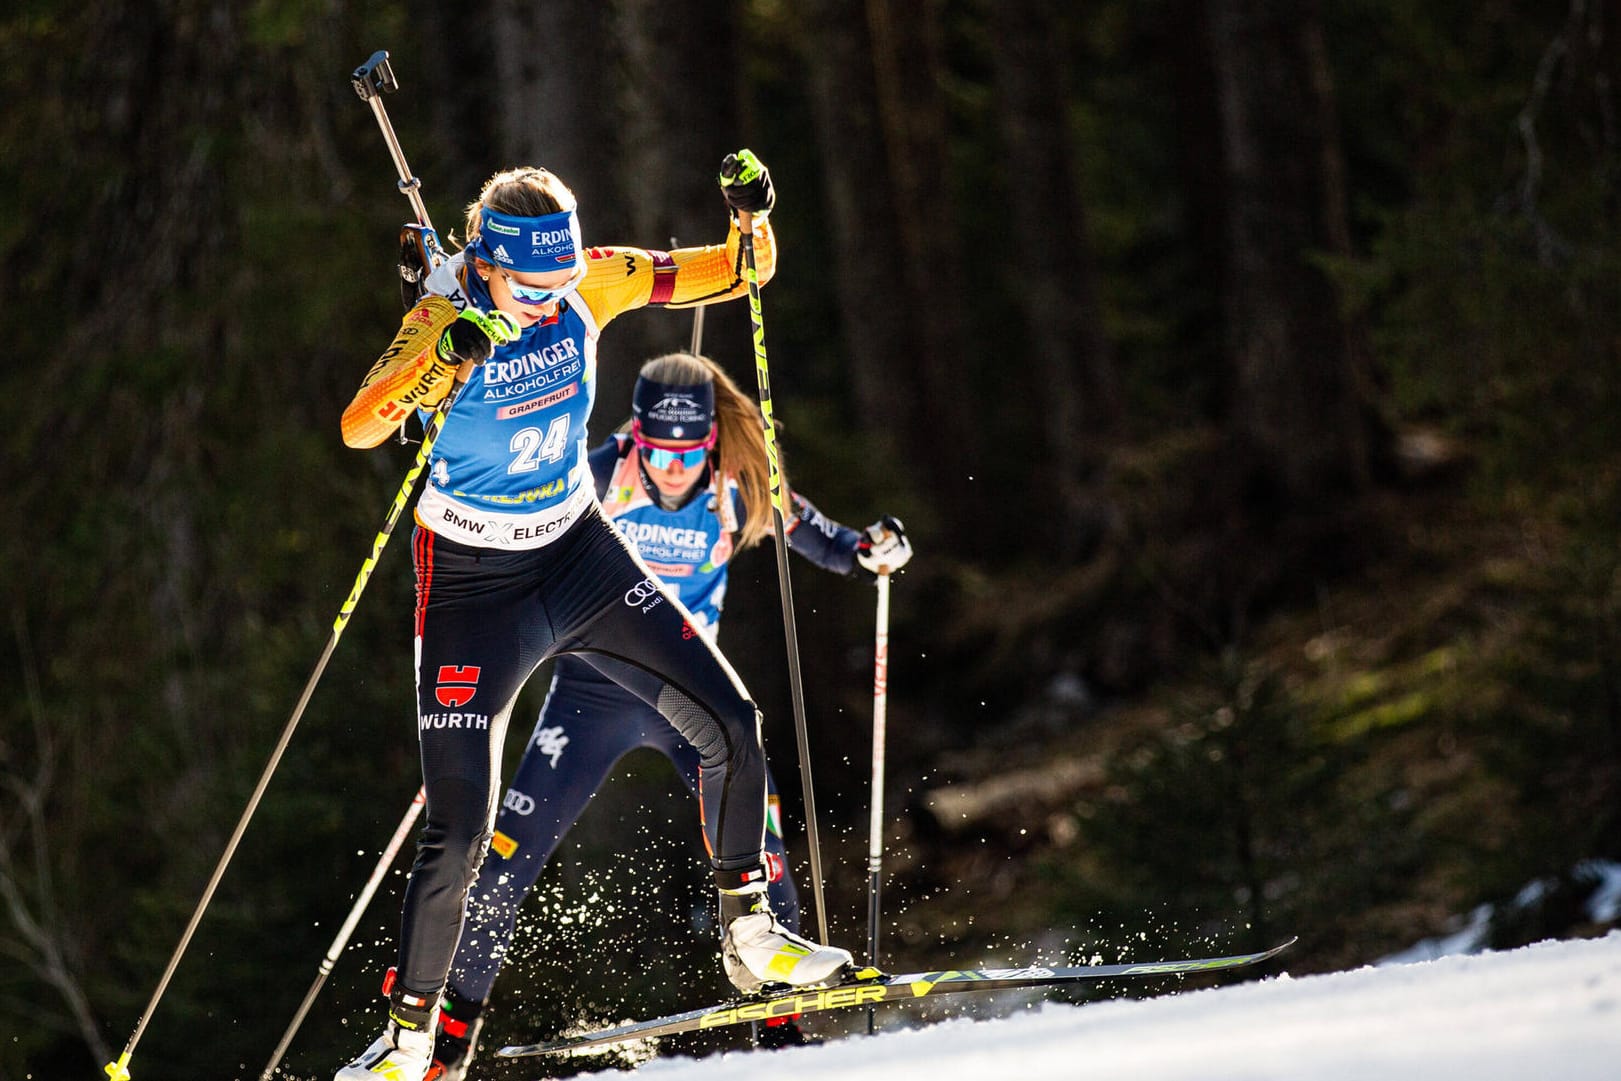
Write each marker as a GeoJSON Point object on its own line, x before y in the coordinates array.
{"type": "Point", "coordinates": [1268, 954]}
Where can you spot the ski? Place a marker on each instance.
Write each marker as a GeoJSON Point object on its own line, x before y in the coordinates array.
{"type": "Point", "coordinates": [870, 987]}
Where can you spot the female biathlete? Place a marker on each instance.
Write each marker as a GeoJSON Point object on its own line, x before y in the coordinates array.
{"type": "Point", "coordinates": [515, 563]}
{"type": "Point", "coordinates": [688, 485]}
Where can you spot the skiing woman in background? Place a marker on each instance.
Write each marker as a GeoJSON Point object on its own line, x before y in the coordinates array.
{"type": "Point", "coordinates": [515, 563]}
{"type": "Point", "coordinates": [689, 486]}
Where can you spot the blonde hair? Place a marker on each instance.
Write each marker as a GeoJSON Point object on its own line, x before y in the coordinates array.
{"type": "Point", "coordinates": [739, 442]}
{"type": "Point", "coordinates": [525, 192]}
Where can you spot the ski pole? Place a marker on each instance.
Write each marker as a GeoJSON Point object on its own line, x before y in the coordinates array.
{"type": "Point", "coordinates": [880, 709]}
{"type": "Point", "coordinates": [762, 370]}
{"type": "Point", "coordinates": [697, 331]}
{"type": "Point", "coordinates": [335, 950]}
{"type": "Point", "coordinates": [696, 348]}
{"type": "Point", "coordinates": [375, 75]}
{"type": "Point", "coordinates": [119, 1069]}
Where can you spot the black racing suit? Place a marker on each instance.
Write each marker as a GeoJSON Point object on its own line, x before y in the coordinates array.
{"type": "Point", "coordinates": [485, 620]}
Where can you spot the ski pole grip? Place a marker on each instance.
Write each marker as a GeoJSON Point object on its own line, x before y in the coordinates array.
{"type": "Point", "coordinates": [497, 325]}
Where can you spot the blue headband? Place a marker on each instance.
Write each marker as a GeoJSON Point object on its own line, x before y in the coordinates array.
{"type": "Point", "coordinates": [530, 245]}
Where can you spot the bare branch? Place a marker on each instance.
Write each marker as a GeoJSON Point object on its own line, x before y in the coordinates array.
{"type": "Point", "coordinates": [1551, 247]}
{"type": "Point", "coordinates": [42, 946]}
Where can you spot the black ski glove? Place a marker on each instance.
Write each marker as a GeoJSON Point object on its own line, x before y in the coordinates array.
{"type": "Point", "coordinates": [746, 184]}
{"type": "Point", "coordinates": [475, 334]}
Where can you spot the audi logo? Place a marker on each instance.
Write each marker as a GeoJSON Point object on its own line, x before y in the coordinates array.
{"type": "Point", "coordinates": [642, 592]}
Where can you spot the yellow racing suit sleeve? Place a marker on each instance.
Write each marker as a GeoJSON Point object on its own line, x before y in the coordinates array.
{"type": "Point", "coordinates": [620, 279]}
{"type": "Point", "coordinates": [410, 375]}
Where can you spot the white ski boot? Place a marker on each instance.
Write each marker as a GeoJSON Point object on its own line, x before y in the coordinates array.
{"type": "Point", "coordinates": [405, 1049]}
{"type": "Point", "coordinates": [757, 950]}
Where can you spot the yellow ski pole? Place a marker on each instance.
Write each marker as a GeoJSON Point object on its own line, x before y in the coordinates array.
{"type": "Point", "coordinates": [118, 1070]}
{"type": "Point", "coordinates": [762, 370]}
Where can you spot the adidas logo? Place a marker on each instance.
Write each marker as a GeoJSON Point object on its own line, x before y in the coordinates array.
{"type": "Point", "coordinates": [500, 253]}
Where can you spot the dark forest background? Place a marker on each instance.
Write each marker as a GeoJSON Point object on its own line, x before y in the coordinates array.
{"type": "Point", "coordinates": [1244, 370]}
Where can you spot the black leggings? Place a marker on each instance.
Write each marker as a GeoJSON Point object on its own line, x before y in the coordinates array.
{"type": "Point", "coordinates": [485, 620]}
{"type": "Point", "coordinates": [586, 726]}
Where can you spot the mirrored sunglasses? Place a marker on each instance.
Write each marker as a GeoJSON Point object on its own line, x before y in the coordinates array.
{"type": "Point", "coordinates": [664, 457]}
{"type": "Point", "coordinates": [537, 295]}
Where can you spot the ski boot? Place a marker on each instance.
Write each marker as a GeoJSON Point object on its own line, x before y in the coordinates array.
{"type": "Point", "coordinates": [757, 950]}
{"type": "Point", "coordinates": [459, 1023]}
{"type": "Point", "coordinates": [404, 1052]}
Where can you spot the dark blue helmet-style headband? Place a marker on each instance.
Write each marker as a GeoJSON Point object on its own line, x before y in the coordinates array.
{"type": "Point", "coordinates": [673, 411]}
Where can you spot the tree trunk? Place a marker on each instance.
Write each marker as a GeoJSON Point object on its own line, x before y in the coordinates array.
{"type": "Point", "coordinates": [875, 336]}
{"type": "Point", "coordinates": [553, 80]}
{"type": "Point", "coordinates": [633, 105]}
{"type": "Point", "coordinates": [672, 143]}
{"type": "Point", "coordinates": [875, 74]}
{"type": "Point", "coordinates": [906, 50]}
{"type": "Point", "coordinates": [1299, 411]}
{"type": "Point", "coordinates": [463, 49]}
{"type": "Point", "coordinates": [1057, 293]}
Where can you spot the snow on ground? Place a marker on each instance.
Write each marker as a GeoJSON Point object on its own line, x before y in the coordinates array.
{"type": "Point", "coordinates": [1472, 932]}
{"type": "Point", "coordinates": [1552, 1011]}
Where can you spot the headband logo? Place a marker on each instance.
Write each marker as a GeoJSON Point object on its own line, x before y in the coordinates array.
{"type": "Point", "coordinates": [677, 407]}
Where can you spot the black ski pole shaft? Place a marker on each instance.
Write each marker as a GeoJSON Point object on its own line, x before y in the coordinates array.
{"type": "Point", "coordinates": [796, 688]}
{"type": "Point", "coordinates": [341, 940]}
{"type": "Point", "coordinates": [118, 1070]}
{"type": "Point", "coordinates": [880, 711]}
